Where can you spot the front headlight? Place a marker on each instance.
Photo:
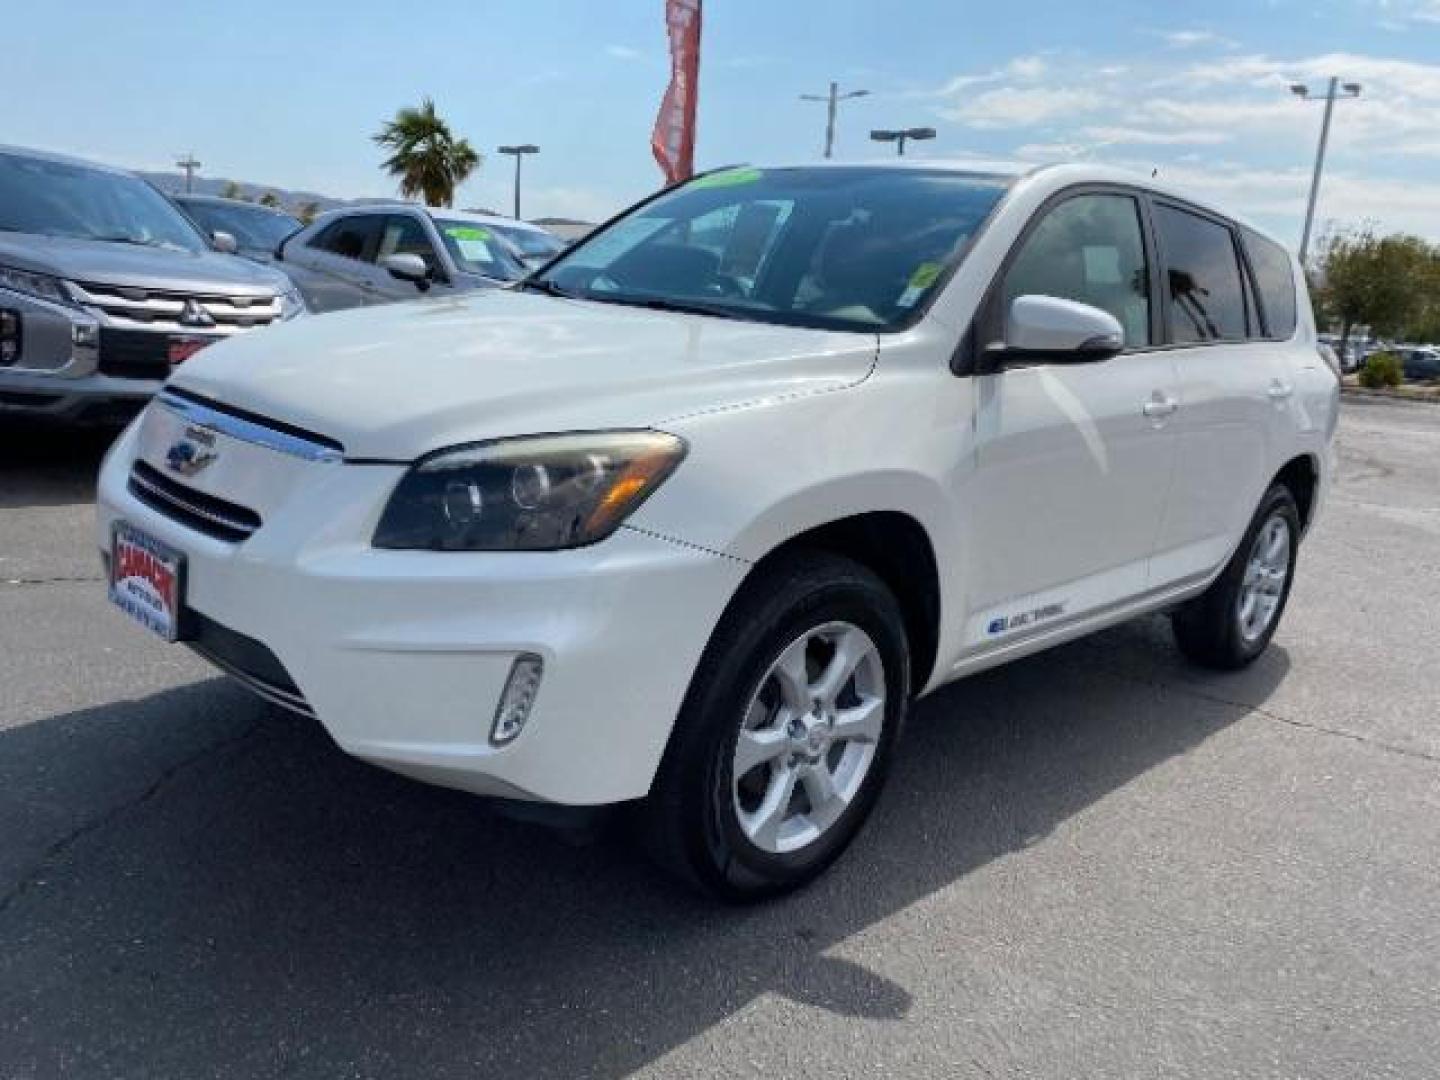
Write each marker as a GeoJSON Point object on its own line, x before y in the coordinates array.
{"type": "Point", "coordinates": [538, 493]}
{"type": "Point", "coordinates": [291, 304]}
{"type": "Point", "coordinates": [41, 286]}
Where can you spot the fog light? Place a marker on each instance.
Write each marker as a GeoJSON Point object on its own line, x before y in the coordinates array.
{"type": "Point", "coordinates": [514, 708]}
{"type": "Point", "coordinates": [9, 336]}
{"type": "Point", "coordinates": [85, 335]}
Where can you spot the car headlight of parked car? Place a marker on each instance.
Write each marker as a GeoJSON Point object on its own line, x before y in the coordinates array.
{"type": "Point", "coordinates": [40, 286]}
{"type": "Point", "coordinates": [291, 304]}
{"type": "Point", "coordinates": [539, 493]}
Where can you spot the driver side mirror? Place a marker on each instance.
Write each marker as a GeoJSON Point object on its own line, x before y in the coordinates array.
{"type": "Point", "coordinates": [224, 242]}
{"type": "Point", "coordinates": [1049, 330]}
{"type": "Point", "coordinates": [409, 268]}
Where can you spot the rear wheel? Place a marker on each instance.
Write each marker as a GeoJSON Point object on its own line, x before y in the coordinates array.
{"type": "Point", "coordinates": [1232, 622]}
{"type": "Point", "coordinates": [785, 736]}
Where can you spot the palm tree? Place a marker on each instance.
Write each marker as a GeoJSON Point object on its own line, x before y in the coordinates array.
{"type": "Point", "coordinates": [270, 199]}
{"type": "Point", "coordinates": [428, 160]}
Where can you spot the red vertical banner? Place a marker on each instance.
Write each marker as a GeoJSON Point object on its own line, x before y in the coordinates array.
{"type": "Point", "coordinates": [673, 140]}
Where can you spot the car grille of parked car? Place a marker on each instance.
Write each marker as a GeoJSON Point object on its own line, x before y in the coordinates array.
{"type": "Point", "coordinates": [177, 312]}
{"type": "Point", "coordinates": [135, 354]}
{"type": "Point", "coordinates": [248, 660]}
{"type": "Point", "coordinates": [204, 513]}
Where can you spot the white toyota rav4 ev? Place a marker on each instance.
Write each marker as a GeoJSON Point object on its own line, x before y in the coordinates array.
{"type": "Point", "coordinates": [694, 514]}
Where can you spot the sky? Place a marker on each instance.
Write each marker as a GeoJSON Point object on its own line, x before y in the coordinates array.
{"type": "Point", "coordinates": [288, 92]}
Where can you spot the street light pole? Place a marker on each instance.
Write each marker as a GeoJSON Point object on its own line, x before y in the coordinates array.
{"type": "Point", "coordinates": [518, 152]}
{"type": "Point", "coordinates": [1334, 91]}
{"type": "Point", "coordinates": [832, 100]}
{"type": "Point", "coordinates": [189, 164]}
{"type": "Point", "coordinates": [900, 136]}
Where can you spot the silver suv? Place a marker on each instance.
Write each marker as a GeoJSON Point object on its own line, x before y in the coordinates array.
{"type": "Point", "coordinates": [105, 286]}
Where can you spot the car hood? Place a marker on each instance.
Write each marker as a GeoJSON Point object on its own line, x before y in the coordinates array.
{"type": "Point", "coordinates": [103, 263]}
{"type": "Point", "coordinates": [398, 381]}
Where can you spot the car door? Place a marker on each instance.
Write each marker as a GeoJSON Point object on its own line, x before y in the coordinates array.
{"type": "Point", "coordinates": [334, 262]}
{"type": "Point", "coordinates": [1234, 391]}
{"type": "Point", "coordinates": [1073, 460]}
{"type": "Point", "coordinates": [405, 234]}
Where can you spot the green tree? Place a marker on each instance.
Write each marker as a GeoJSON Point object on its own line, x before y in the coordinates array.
{"type": "Point", "coordinates": [232, 190]}
{"type": "Point", "coordinates": [1387, 283]}
{"type": "Point", "coordinates": [270, 199]}
{"type": "Point", "coordinates": [425, 156]}
{"type": "Point", "coordinates": [306, 212]}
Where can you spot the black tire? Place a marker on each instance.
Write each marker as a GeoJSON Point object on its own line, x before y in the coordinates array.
{"type": "Point", "coordinates": [1208, 628]}
{"type": "Point", "coordinates": [689, 821]}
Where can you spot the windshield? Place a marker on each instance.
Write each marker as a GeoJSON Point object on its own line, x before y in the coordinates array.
{"type": "Point", "coordinates": [254, 228]}
{"type": "Point", "coordinates": [477, 250]}
{"type": "Point", "coordinates": [530, 243]}
{"type": "Point", "coordinates": [52, 198]}
{"type": "Point", "coordinates": [849, 248]}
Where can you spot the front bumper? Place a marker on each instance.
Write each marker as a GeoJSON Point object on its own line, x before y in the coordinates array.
{"type": "Point", "coordinates": [403, 655]}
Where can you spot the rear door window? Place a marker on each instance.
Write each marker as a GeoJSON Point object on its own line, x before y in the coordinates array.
{"type": "Point", "coordinates": [1275, 278]}
{"type": "Point", "coordinates": [1204, 295]}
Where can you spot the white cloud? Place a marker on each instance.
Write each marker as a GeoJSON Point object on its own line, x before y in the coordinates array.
{"type": "Point", "coordinates": [623, 52]}
{"type": "Point", "coordinates": [1135, 136]}
{"type": "Point", "coordinates": [1193, 39]}
{"type": "Point", "coordinates": [1021, 106]}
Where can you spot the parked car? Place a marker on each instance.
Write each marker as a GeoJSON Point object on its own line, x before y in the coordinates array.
{"type": "Point", "coordinates": [1420, 362]}
{"type": "Point", "coordinates": [689, 524]}
{"type": "Point", "coordinates": [380, 254]}
{"type": "Point", "coordinates": [534, 245]}
{"type": "Point", "coordinates": [105, 286]}
{"type": "Point", "coordinates": [258, 230]}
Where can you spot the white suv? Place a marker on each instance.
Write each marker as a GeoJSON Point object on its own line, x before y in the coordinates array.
{"type": "Point", "coordinates": [693, 516]}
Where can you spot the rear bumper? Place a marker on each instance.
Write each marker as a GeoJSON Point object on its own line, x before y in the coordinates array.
{"type": "Point", "coordinates": [403, 656]}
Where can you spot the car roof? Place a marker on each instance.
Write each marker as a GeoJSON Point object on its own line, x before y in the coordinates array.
{"type": "Point", "coordinates": [1055, 175]}
{"type": "Point", "coordinates": [434, 211]}
{"type": "Point", "coordinates": [61, 159]}
{"type": "Point", "coordinates": [220, 200]}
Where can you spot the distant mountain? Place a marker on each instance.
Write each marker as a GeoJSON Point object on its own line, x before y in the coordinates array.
{"type": "Point", "coordinates": [174, 184]}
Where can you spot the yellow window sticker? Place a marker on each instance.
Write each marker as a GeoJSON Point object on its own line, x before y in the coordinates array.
{"type": "Point", "coordinates": [728, 178]}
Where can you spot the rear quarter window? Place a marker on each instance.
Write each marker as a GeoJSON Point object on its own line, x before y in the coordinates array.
{"type": "Point", "coordinates": [1275, 278]}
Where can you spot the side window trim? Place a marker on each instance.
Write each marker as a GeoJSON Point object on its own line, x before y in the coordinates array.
{"type": "Point", "coordinates": [442, 253]}
{"type": "Point", "coordinates": [988, 316]}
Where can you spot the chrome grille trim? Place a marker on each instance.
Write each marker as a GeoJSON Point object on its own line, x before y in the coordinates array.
{"type": "Point", "coordinates": [169, 497]}
{"type": "Point", "coordinates": [248, 430]}
{"type": "Point", "coordinates": [294, 703]}
{"type": "Point", "coordinates": [156, 309]}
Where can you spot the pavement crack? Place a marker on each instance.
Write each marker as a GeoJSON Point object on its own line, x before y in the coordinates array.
{"type": "Point", "coordinates": [1303, 725]}
{"type": "Point", "coordinates": [28, 879]}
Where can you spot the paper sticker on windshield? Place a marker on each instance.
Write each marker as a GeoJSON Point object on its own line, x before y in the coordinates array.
{"type": "Point", "coordinates": [467, 232]}
{"type": "Point", "coordinates": [925, 275]}
{"type": "Point", "coordinates": [728, 178]}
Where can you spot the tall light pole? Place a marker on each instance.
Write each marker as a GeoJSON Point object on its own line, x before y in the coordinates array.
{"type": "Point", "coordinates": [518, 152]}
{"type": "Point", "coordinates": [1335, 91]}
{"type": "Point", "coordinates": [899, 136]}
{"type": "Point", "coordinates": [831, 100]}
{"type": "Point", "coordinates": [189, 164]}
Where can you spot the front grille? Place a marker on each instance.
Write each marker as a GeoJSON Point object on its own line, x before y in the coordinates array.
{"type": "Point", "coordinates": [175, 312]}
{"type": "Point", "coordinates": [134, 354]}
{"type": "Point", "coordinates": [248, 660]}
{"type": "Point", "coordinates": [204, 513]}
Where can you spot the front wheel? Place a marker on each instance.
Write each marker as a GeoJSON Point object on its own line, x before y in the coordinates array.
{"type": "Point", "coordinates": [1231, 623]}
{"type": "Point", "coordinates": [785, 736]}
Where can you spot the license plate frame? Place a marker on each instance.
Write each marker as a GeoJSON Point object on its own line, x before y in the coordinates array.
{"type": "Point", "coordinates": [147, 580]}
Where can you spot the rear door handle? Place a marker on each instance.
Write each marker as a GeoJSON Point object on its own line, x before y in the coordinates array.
{"type": "Point", "coordinates": [1159, 406]}
{"type": "Point", "coordinates": [1279, 390]}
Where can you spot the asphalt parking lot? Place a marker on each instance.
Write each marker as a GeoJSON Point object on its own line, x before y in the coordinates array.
{"type": "Point", "coordinates": [1093, 863]}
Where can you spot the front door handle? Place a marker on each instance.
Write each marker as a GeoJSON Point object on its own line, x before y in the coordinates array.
{"type": "Point", "coordinates": [1159, 406]}
{"type": "Point", "coordinates": [1279, 390]}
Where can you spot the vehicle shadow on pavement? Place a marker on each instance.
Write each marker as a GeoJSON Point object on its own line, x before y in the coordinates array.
{"type": "Point", "coordinates": [269, 906]}
{"type": "Point", "coordinates": [49, 465]}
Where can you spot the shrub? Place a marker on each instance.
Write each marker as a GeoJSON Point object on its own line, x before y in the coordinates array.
{"type": "Point", "coordinates": [1382, 369]}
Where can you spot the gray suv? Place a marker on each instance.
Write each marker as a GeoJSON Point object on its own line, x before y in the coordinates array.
{"type": "Point", "coordinates": [105, 286]}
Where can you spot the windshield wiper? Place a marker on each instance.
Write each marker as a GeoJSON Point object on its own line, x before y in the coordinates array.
{"type": "Point", "coordinates": [664, 303]}
{"type": "Point", "coordinates": [549, 288]}
{"type": "Point", "coordinates": [137, 242]}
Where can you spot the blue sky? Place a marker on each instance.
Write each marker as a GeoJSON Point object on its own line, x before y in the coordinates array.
{"type": "Point", "coordinates": [288, 93]}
